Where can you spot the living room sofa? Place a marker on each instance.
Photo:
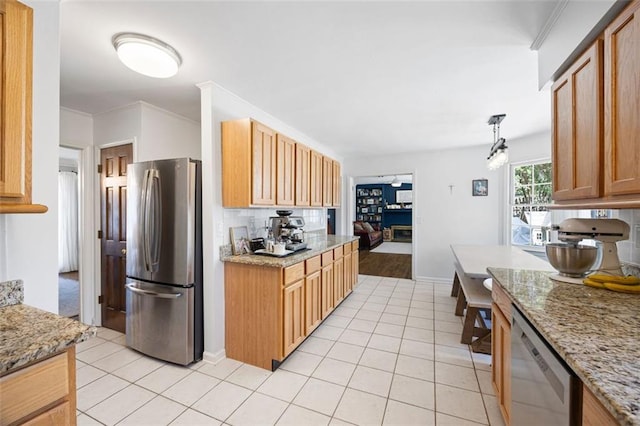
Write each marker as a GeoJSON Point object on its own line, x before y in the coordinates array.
{"type": "Point", "coordinates": [370, 236]}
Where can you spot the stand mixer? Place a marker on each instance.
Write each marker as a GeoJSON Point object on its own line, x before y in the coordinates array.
{"type": "Point", "coordinates": [571, 232]}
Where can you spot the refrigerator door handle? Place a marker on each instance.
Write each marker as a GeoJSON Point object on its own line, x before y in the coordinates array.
{"type": "Point", "coordinates": [152, 223]}
{"type": "Point", "coordinates": [152, 293]}
{"type": "Point", "coordinates": [144, 229]}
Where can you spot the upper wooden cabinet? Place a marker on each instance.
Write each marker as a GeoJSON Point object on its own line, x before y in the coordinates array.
{"type": "Point", "coordinates": [327, 182]}
{"type": "Point", "coordinates": [596, 125]}
{"type": "Point", "coordinates": [263, 168]}
{"type": "Point", "coordinates": [285, 171]}
{"type": "Point", "coordinates": [335, 195]}
{"type": "Point", "coordinates": [622, 103]}
{"type": "Point", "coordinates": [316, 179]}
{"type": "Point", "coordinates": [303, 175]}
{"type": "Point", "coordinates": [16, 63]}
{"type": "Point", "coordinates": [577, 128]}
{"type": "Point", "coordinates": [248, 164]}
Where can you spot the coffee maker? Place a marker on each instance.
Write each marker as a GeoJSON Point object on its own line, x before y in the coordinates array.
{"type": "Point", "coordinates": [288, 229]}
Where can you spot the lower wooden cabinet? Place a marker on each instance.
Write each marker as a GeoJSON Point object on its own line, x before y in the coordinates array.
{"type": "Point", "coordinates": [593, 412]}
{"type": "Point", "coordinates": [348, 275]}
{"type": "Point", "coordinates": [269, 311]}
{"type": "Point", "coordinates": [501, 354]}
{"type": "Point", "coordinates": [41, 394]}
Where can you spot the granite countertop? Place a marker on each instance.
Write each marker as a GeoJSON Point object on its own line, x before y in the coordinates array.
{"type": "Point", "coordinates": [596, 331]}
{"type": "Point", "coordinates": [317, 245]}
{"type": "Point", "coordinates": [28, 334]}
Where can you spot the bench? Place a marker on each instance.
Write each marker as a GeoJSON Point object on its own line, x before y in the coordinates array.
{"type": "Point", "coordinates": [473, 296]}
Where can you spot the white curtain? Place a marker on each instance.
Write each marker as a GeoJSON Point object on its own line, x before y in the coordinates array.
{"type": "Point", "coordinates": [67, 222]}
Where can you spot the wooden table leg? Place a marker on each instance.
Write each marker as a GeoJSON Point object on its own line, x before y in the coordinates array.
{"type": "Point", "coordinates": [455, 288]}
{"type": "Point", "coordinates": [461, 303]}
{"type": "Point", "coordinates": [469, 325]}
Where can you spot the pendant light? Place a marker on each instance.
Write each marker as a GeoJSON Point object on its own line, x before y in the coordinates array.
{"type": "Point", "coordinates": [499, 153]}
{"type": "Point", "coordinates": [147, 55]}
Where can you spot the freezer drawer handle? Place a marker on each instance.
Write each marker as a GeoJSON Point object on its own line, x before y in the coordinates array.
{"type": "Point", "coordinates": [153, 293]}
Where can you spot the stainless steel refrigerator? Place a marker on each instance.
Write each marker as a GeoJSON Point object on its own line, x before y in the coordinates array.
{"type": "Point", "coordinates": [164, 260]}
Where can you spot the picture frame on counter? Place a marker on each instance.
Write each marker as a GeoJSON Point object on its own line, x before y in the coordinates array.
{"type": "Point", "coordinates": [239, 239]}
{"type": "Point", "coordinates": [480, 187]}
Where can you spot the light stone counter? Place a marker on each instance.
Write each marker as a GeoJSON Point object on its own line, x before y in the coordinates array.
{"type": "Point", "coordinates": [317, 245]}
{"type": "Point", "coordinates": [596, 331]}
{"type": "Point", "coordinates": [29, 334]}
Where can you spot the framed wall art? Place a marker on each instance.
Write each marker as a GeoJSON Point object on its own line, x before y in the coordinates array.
{"type": "Point", "coordinates": [480, 187]}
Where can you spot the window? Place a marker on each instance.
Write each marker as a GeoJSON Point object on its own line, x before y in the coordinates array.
{"type": "Point", "coordinates": [530, 195]}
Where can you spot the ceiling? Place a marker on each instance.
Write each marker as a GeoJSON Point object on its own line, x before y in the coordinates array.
{"type": "Point", "coordinates": [371, 77]}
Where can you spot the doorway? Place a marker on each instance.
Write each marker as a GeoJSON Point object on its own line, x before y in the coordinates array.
{"type": "Point", "coordinates": [113, 233]}
{"type": "Point", "coordinates": [383, 213]}
{"type": "Point", "coordinates": [69, 288]}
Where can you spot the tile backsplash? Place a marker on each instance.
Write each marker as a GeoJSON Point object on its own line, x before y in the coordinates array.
{"type": "Point", "coordinates": [256, 220]}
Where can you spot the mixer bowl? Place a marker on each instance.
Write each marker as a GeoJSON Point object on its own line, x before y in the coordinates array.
{"type": "Point", "coordinates": [571, 260]}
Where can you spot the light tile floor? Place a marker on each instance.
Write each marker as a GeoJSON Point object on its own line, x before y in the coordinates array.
{"type": "Point", "coordinates": [389, 354]}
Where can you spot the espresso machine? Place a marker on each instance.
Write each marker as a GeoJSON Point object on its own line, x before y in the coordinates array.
{"type": "Point", "coordinates": [288, 229]}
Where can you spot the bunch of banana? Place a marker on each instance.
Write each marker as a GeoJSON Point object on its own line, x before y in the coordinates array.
{"type": "Point", "coordinates": [628, 284]}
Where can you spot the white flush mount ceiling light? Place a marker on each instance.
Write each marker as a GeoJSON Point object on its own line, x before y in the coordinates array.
{"type": "Point", "coordinates": [499, 153]}
{"type": "Point", "coordinates": [147, 55]}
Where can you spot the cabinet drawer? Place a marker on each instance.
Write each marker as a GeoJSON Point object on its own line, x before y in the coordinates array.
{"type": "Point", "coordinates": [355, 244]}
{"type": "Point", "coordinates": [502, 300]}
{"type": "Point", "coordinates": [346, 248]}
{"type": "Point", "coordinates": [327, 258]}
{"type": "Point", "coordinates": [314, 264]}
{"type": "Point", "coordinates": [337, 252]}
{"type": "Point", "coordinates": [293, 273]}
{"type": "Point", "coordinates": [32, 388]}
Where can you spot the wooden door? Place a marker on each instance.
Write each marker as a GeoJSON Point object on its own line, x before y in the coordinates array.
{"type": "Point", "coordinates": [264, 165]}
{"type": "Point", "coordinates": [285, 170]}
{"type": "Point", "coordinates": [294, 318]}
{"type": "Point", "coordinates": [313, 296]}
{"type": "Point", "coordinates": [16, 63]}
{"type": "Point", "coordinates": [303, 175]}
{"type": "Point", "coordinates": [316, 179]}
{"type": "Point", "coordinates": [335, 181]}
{"type": "Point", "coordinates": [577, 128]}
{"type": "Point", "coordinates": [327, 290]}
{"type": "Point", "coordinates": [113, 207]}
{"type": "Point", "coordinates": [622, 118]}
{"type": "Point", "coordinates": [327, 181]}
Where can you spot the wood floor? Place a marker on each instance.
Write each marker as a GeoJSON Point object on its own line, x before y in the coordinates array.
{"type": "Point", "coordinates": [385, 264]}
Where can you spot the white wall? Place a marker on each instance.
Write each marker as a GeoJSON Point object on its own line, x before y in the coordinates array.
{"type": "Point", "coordinates": [76, 128]}
{"type": "Point", "coordinates": [445, 212]}
{"type": "Point", "coordinates": [28, 243]}
{"type": "Point", "coordinates": [219, 105]}
{"type": "Point", "coordinates": [167, 135]}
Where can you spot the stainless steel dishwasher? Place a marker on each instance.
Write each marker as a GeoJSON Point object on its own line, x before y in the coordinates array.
{"type": "Point", "coordinates": [543, 390]}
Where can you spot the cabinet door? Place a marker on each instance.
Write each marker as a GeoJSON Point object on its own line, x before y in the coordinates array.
{"type": "Point", "coordinates": [16, 39]}
{"type": "Point", "coordinates": [622, 97]}
{"type": "Point", "coordinates": [593, 412]}
{"type": "Point", "coordinates": [316, 179]}
{"type": "Point", "coordinates": [294, 318]}
{"type": "Point", "coordinates": [501, 365]}
{"type": "Point", "coordinates": [303, 175]}
{"type": "Point", "coordinates": [577, 128]}
{"type": "Point", "coordinates": [348, 274]}
{"type": "Point", "coordinates": [327, 290]}
{"type": "Point", "coordinates": [338, 281]}
{"type": "Point", "coordinates": [327, 181]}
{"type": "Point", "coordinates": [336, 180]}
{"type": "Point", "coordinates": [313, 296]}
{"type": "Point", "coordinates": [355, 268]}
{"type": "Point", "coordinates": [285, 170]}
{"type": "Point", "coordinates": [264, 165]}
{"type": "Point", "coordinates": [58, 415]}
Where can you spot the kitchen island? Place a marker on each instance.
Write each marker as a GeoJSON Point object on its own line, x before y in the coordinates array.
{"type": "Point", "coordinates": [37, 361]}
{"type": "Point", "coordinates": [595, 331]}
{"type": "Point", "coordinates": [273, 303]}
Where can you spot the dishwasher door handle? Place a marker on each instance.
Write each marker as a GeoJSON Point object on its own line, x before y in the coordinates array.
{"type": "Point", "coordinates": [152, 293]}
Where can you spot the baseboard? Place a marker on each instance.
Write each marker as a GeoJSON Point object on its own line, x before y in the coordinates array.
{"type": "Point", "coordinates": [434, 280]}
{"type": "Point", "coordinates": [215, 357]}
